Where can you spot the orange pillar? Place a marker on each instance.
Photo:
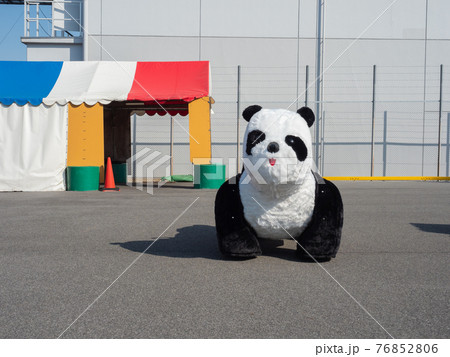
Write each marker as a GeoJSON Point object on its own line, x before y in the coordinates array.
{"type": "Point", "coordinates": [85, 145]}
{"type": "Point", "coordinates": [200, 130]}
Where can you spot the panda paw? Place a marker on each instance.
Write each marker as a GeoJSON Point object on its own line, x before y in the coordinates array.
{"type": "Point", "coordinates": [242, 245]}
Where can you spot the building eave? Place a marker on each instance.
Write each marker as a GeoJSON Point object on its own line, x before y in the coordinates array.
{"type": "Point", "coordinates": [52, 40]}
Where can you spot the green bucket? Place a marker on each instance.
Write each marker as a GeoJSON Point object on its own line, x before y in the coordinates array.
{"type": "Point", "coordinates": [209, 176]}
{"type": "Point", "coordinates": [83, 178]}
{"type": "Point", "coordinates": [120, 173]}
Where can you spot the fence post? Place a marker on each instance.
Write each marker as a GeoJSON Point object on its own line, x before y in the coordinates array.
{"type": "Point", "coordinates": [322, 146]}
{"type": "Point", "coordinates": [448, 145]}
{"type": "Point", "coordinates": [306, 84]}
{"type": "Point", "coordinates": [385, 143]}
{"type": "Point", "coordinates": [440, 121]}
{"type": "Point", "coordinates": [238, 127]}
{"type": "Point", "coordinates": [134, 149]}
{"type": "Point", "coordinates": [373, 121]}
{"type": "Point", "coordinates": [319, 76]}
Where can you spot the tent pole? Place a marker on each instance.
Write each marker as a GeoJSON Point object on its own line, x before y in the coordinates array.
{"type": "Point", "coordinates": [134, 148]}
{"type": "Point", "coordinates": [238, 129]}
{"type": "Point", "coordinates": [171, 147]}
{"type": "Point", "coordinates": [372, 142]}
{"type": "Point", "coordinates": [440, 121]}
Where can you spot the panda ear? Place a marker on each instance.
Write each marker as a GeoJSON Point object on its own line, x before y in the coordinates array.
{"type": "Point", "coordinates": [307, 114]}
{"type": "Point", "coordinates": [250, 111]}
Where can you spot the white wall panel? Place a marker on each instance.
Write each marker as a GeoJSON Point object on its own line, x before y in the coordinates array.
{"type": "Point", "coordinates": [405, 19]}
{"type": "Point", "coordinates": [380, 52]}
{"type": "Point", "coordinates": [438, 19]}
{"type": "Point", "coordinates": [151, 18]}
{"type": "Point", "coordinates": [307, 52]}
{"type": "Point", "coordinates": [54, 52]}
{"type": "Point", "coordinates": [250, 18]}
{"type": "Point", "coordinates": [308, 18]}
{"type": "Point", "coordinates": [94, 18]}
{"type": "Point", "coordinates": [255, 52]}
{"type": "Point", "coordinates": [438, 52]}
{"type": "Point", "coordinates": [94, 48]}
{"type": "Point", "coordinates": [131, 48]}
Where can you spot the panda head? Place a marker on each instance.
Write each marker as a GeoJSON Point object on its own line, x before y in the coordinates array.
{"type": "Point", "coordinates": [277, 144]}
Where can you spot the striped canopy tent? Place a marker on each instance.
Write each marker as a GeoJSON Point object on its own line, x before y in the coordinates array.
{"type": "Point", "coordinates": [52, 113]}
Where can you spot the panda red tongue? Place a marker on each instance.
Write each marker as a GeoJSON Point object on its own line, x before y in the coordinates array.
{"type": "Point", "coordinates": [272, 162]}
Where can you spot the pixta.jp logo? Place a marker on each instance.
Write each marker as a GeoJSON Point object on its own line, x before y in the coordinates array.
{"type": "Point", "coordinates": [144, 164]}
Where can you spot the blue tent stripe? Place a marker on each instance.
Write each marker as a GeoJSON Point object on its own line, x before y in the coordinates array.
{"type": "Point", "coordinates": [27, 82]}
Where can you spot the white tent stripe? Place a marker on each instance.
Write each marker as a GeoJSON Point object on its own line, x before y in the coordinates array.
{"type": "Point", "coordinates": [92, 82]}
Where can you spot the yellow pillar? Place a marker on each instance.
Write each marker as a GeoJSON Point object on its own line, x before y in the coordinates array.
{"type": "Point", "coordinates": [85, 145]}
{"type": "Point", "coordinates": [200, 130]}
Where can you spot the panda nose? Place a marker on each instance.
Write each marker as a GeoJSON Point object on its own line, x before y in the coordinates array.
{"type": "Point", "coordinates": [273, 147]}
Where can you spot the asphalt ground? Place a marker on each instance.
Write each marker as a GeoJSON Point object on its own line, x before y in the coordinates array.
{"type": "Point", "coordinates": [90, 265]}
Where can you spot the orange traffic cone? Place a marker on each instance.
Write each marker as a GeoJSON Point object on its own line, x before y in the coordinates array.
{"type": "Point", "coordinates": [110, 185]}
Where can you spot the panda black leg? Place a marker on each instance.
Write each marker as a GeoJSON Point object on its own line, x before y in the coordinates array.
{"type": "Point", "coordinates": [235, 237]}
{"type": "Point", "coordinates": [321, 239]}
{"type": "Point", "coordinates": [239, 244]}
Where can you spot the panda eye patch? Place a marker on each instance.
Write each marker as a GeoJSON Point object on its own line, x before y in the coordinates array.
{"type": "Point", "coordinates": [254, 138]}
{"type": "Point", "coordinates": [298, 146]}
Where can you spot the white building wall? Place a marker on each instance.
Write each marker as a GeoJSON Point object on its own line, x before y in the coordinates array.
{"type": "Point", "coordinates": [53, 52]}
{"type": "Point", "coordinates": [274, 41]}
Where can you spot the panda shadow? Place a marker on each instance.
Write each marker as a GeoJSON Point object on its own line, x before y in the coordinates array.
{"type": "Point", "coordinates": [274, 248]}
{"type": "Point", "coordinates": [278, 248]}
{"type": "Point", "coordinates": [197, 241]}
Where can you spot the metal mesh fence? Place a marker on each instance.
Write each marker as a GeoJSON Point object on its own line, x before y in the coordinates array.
{"type": "Point", "coordinates": [392, 132]}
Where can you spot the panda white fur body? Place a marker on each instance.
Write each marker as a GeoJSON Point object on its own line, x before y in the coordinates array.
{"type": "Point", "coordinates": [278, 199]}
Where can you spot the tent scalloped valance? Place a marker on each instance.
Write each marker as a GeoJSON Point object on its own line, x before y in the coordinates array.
{"type": "Point", "coordinates": [102, 82]}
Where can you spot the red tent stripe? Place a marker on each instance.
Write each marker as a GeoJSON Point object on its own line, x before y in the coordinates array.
{"type": "Point", "coordinates": [184, 81]}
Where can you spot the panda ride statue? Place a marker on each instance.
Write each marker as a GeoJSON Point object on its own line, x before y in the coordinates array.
{"type": "Point", "coordinates": [278, 195]}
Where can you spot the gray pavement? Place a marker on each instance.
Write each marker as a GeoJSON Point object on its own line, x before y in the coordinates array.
{"type": "Point", "coordinates": [60, 251]}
